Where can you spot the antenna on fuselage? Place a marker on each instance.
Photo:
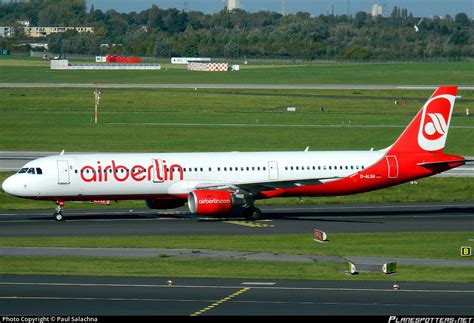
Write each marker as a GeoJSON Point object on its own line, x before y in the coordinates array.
{"type": "Point", "coordinates": [306, 150]}
{"type": "Point", "coordinates": [62, 152]}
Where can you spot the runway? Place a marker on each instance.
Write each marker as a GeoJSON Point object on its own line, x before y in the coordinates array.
{"type": "Point", "coordinates": [278, 220]}
{"type": "Point", "coordinates": [75, 295]}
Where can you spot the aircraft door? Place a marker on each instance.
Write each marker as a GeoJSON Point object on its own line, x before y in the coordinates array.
{"type": "Point", "coordinates": [392, 163]}
{"type": "Point", "coordinates": [272, 170]}
{"type": "Point", "coordinates": [63, 172]}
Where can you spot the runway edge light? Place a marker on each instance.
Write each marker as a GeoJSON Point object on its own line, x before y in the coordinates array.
{"type": "Point", "coordinates": [351, 268]}
{"type": "Point", "coordinates": [320, 236]}
{"type": "Point", "coordinates": [389, 268]}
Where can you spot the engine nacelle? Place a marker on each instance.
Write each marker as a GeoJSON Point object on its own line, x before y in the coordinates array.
{"type": "Point", "coordinates": [210, 201]}
{"type": "Point", "coordinates": [164, 204]}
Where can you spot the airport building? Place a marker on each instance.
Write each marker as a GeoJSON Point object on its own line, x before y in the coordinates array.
{"type": "Point", "coordinates": [36, 32]}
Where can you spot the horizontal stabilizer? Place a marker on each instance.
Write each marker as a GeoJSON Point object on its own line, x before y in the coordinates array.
{"type": "Point", "coordinates": [443, 162]}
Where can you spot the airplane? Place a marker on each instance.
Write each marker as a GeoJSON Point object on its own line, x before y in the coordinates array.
{"type": "Point", "coordinates": [215, 182]}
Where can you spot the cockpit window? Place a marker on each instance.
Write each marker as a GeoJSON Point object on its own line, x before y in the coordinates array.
{"type": "Point", "coordinates": [37, 171]}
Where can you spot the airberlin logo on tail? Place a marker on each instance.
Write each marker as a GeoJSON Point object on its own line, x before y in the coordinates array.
{"type": "Point", "coordinates": [436, 128]}
{"type": "Point", "coordinates": [435, 122]}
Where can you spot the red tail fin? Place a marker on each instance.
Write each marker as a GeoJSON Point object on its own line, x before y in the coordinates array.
{"type": "Point", "coordinates": [429, 129]}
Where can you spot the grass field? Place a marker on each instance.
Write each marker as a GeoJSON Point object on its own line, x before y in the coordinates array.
{"type": "Point", "coordinates": [436, 245]}
{"type": "Point", "coordinates": [175, 268]}
{"type": "Point", "coordinates": [216, 120]}
{"type": "Point", "coordinates": [460, 73]}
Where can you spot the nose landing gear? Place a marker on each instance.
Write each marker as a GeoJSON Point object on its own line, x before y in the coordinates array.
{"type": "Point", "coordinates": [58, 212]}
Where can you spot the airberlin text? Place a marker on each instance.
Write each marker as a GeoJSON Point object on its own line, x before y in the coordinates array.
{"type": "Point", "coordinates": [158, 170]}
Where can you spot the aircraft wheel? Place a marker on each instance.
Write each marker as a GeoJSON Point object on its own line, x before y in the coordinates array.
{"type": "Point", "coordinates": [253, 213]}
{"type": "Point", "coordinates": [58, 216]}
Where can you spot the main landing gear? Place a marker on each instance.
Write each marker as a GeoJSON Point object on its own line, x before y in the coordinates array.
{"type": "Point", "coordinates": [58, 212]}
{"type": "Point", "coordinates": [252, 213]}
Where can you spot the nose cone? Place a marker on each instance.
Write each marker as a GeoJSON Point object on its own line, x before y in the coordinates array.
{"type": "Point", "coordinates": [9, 186]}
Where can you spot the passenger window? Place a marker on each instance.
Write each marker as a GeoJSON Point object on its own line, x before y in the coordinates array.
{"type": "Point", "coordinates": [258, 168]}
{"type": "Point", "coordinates": [330, 167]}
{"type": "Point", "coordinates": [297, 168]}
{"type": "Point", "coordinates": [210, 169]}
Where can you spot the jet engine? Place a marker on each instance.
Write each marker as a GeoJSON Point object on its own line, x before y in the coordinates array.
{"type": "Point", "coordinates": [211, 201]}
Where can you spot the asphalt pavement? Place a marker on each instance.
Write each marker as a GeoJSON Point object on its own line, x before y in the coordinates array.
{"type": "Point", "coordinates": [75, 295]}
{"type": "Point", "coordinates": [434, 217]}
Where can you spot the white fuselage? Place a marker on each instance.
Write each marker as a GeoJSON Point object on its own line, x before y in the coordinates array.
{"type": "Point", "coordinates": [146, 175]}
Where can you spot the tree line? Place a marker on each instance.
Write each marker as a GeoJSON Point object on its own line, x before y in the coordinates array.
{"type": "Point", "coordinates": [238, 34]}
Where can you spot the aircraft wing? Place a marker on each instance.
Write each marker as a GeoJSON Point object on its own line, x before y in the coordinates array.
{"type": "Point", "coordinates": [257, 187]}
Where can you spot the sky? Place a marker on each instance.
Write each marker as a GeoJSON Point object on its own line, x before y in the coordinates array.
{"type": "Point", "coordinates": [419, 8]}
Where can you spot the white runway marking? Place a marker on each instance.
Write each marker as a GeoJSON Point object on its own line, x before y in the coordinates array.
{"type": "Point", "coordinates": [258, 284]}
{"type": "Point", "coordinates": [239, 287]}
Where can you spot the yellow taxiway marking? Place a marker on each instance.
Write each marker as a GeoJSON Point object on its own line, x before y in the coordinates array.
{"type": "Point", "coordinates": [251, 224]}
{"type": "Point", "coordinates": [210, 307]}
